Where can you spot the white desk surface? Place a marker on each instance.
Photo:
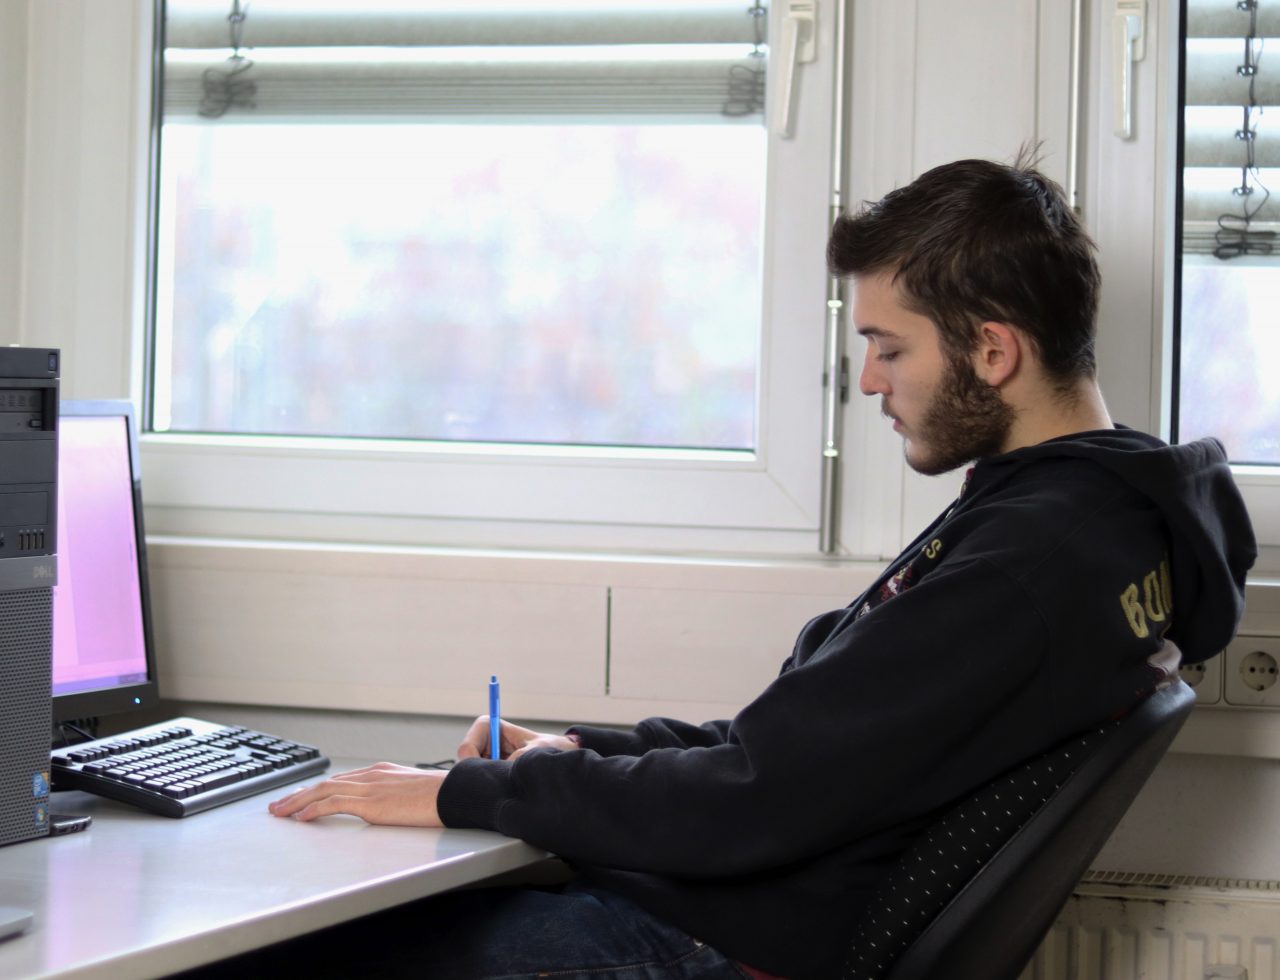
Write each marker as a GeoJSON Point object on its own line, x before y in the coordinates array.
{"type": "Point", "coordinates": [138, 895]}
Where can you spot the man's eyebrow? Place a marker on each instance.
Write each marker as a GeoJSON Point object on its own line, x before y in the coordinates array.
{"type": "Point", "coordinates": [874, 331]}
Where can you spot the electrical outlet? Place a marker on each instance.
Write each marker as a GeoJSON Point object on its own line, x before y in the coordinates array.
{"type": "Point", "coordinates": [1252, 670]}
{"type": "Point", "coordinates": [1205, 678]}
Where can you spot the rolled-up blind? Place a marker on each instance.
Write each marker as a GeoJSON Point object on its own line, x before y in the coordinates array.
{"type": "Point", "coordinates": [301, 59]}
{"type": "Point", "coordinates": [1231, 175]}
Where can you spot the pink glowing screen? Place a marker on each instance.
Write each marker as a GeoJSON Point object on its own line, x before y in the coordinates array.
{"type": "Point", "coordinates": [98, 639]}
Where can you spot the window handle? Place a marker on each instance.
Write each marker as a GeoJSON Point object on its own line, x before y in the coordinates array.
{"type": "Point", "coordinates": [799, 46]}
{"type": "Point", "coordinates": [1127, 46]}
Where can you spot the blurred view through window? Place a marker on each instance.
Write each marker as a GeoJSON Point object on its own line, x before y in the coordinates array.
{"type": "Point", "coordinates": [479, 221]}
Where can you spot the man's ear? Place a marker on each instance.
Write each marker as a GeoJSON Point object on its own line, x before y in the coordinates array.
{"type": "Point", "coordinates": [999, 353]}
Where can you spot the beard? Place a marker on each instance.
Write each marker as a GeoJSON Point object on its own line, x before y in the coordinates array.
{"type": "Point", "coordinates": [965, 420]}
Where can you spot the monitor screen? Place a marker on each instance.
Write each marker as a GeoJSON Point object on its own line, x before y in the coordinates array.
{"type": "Point", "coordinates": [102, 658]}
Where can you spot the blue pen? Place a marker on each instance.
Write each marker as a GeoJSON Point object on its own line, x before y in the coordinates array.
{"type": "Point", "coordinates": [495, 720]}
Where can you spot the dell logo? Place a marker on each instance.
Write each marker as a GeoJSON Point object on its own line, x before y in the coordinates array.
{"type": "Point", "coordinates": [42, 571]}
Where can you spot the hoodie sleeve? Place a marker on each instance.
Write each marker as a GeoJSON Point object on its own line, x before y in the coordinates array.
{"type": "Point", "coordinates": [1213, 548]}
{"type": "Point", "coordinates": [831, 750]}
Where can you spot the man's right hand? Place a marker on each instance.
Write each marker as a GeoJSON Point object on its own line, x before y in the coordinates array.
{"type": "Point", "coordinates": [514, 742]}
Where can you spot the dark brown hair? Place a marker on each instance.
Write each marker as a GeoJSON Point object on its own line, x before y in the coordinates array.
{"type": "Point", "coordinates": [977, 241]}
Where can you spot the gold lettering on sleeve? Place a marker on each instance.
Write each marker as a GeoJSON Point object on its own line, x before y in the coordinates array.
{"type": "Point", "coordinates": [1133, 612]}
{"type": "Point", "coordinates": [1153, 597]}
{"type": "Point", "coordinates": [1156, 604]}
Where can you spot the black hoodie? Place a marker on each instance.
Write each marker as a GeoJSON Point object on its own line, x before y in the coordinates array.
{"type": "Point", "coordinates": [1032, 609]}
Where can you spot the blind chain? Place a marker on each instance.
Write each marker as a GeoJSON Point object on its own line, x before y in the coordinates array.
{"type": "Point", "coordinates": [224, 87]}
{"type": "Point", "coordinates": [1235, 235]}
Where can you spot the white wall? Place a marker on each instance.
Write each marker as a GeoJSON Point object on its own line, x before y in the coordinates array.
{"type": "Point", "coordinates": [81, 217]}
{"type": "Point", "coordinates": [13, 33]}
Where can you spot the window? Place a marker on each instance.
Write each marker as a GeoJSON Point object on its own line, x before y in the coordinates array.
{"type": "Point", "coordinates": [518, 252]}
{"type": "Point", "coordinates": [504, 240]}
{"type": "Point", "coordinates": [1229, 348]}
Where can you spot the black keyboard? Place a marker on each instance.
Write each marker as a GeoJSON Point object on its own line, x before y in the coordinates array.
{"type": "Point", "coordinates": [183, 766]}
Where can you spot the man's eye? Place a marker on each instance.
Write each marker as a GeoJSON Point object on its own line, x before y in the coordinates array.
{"type": "Point", "coordinates": [887, 355]}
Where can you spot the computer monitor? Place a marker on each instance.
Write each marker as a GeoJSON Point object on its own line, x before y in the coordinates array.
{"type": "Point", "coordinates": [103, 662]}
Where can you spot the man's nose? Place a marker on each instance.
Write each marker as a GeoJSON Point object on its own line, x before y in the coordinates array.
{"type": "Point", "coordinates": [871, 381]}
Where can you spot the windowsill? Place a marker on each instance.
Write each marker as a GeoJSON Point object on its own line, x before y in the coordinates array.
{"type": "Point", "coordinates": [646, 563]}
{"type": "Point", "coordinates": [330, 447]}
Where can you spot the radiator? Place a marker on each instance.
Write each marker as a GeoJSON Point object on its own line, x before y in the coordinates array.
{"type": "Point", "coordinates": [1120, 926]}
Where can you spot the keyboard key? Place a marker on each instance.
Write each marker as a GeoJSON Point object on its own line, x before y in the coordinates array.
{"type": "Point", "coordinates": [216, 780]}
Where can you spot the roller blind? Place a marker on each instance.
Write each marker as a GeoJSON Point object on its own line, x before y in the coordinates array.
{"type": "Point", "coordinates": [299, 59]}
{"type": "Point", "coordinates": [1231, 176]}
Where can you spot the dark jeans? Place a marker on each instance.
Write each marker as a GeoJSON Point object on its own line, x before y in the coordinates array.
{"type": "Point", "coordinates": [493, 934]}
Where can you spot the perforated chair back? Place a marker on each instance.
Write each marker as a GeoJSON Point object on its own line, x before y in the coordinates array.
{"type": "Point", "coordinates": [974, 897]}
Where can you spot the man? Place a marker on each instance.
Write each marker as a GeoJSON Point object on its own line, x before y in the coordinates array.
{"type": "Point", "coordinates": [1034, 608]}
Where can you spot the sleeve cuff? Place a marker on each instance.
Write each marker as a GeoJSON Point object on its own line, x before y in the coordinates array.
{"type": "Point", "coordinates": [473, 794]}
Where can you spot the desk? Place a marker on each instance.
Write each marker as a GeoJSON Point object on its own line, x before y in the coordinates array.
{"type": "Point", "coordinates": [138, 895]}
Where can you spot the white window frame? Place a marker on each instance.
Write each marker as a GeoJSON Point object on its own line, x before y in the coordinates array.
{"type": "Point", "coordinates": [490, 495]}
{"type": "Point", "coordinates": [1132, 221]}
{"type": "Point", "coordinates": [1259, 485]}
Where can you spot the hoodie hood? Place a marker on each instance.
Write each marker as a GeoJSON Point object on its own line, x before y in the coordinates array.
{"type": "Point", "coordinates": [1211, 542]}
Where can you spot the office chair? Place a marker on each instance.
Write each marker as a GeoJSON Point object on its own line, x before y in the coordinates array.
{"type": "Point", "coordinates": [974, 897]}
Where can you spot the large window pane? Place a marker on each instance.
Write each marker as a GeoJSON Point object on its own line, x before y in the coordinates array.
{"type": "Point", "coordinates": [1230, 355]}
{"type": "Point", "coordinates": [588, 284]}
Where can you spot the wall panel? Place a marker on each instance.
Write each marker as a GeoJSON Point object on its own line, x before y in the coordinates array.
{"type": "Point", "coordinates": [364, 631]}
{"type": "Point", "coordinates": [704, 645]}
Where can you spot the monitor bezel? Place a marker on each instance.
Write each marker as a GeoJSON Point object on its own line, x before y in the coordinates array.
{"type": "Point", "coordinates": [100, 702]}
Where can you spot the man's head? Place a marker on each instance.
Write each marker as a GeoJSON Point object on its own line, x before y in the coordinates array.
{"type": "Point", "coordinates": [971, 274]}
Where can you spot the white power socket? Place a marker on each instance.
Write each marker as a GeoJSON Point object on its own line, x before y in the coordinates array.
{"type": "Point", "coordinates": [1205, 678]}
{"type": "Point", "coordinates": [1252, 671]}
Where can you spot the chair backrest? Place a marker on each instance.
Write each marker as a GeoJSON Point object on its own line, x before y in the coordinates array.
{"type": "Point", "coordinates": [976, 894]}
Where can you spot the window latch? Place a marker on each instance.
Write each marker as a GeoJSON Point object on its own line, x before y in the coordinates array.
{"type": "Point", "coordinates": [799, 47]}
{"type": "Point", "coordinates": [1128, 44]}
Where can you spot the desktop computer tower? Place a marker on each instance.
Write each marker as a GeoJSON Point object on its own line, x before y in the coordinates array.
{"type": "Point", "coordinates": [28, 573]}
